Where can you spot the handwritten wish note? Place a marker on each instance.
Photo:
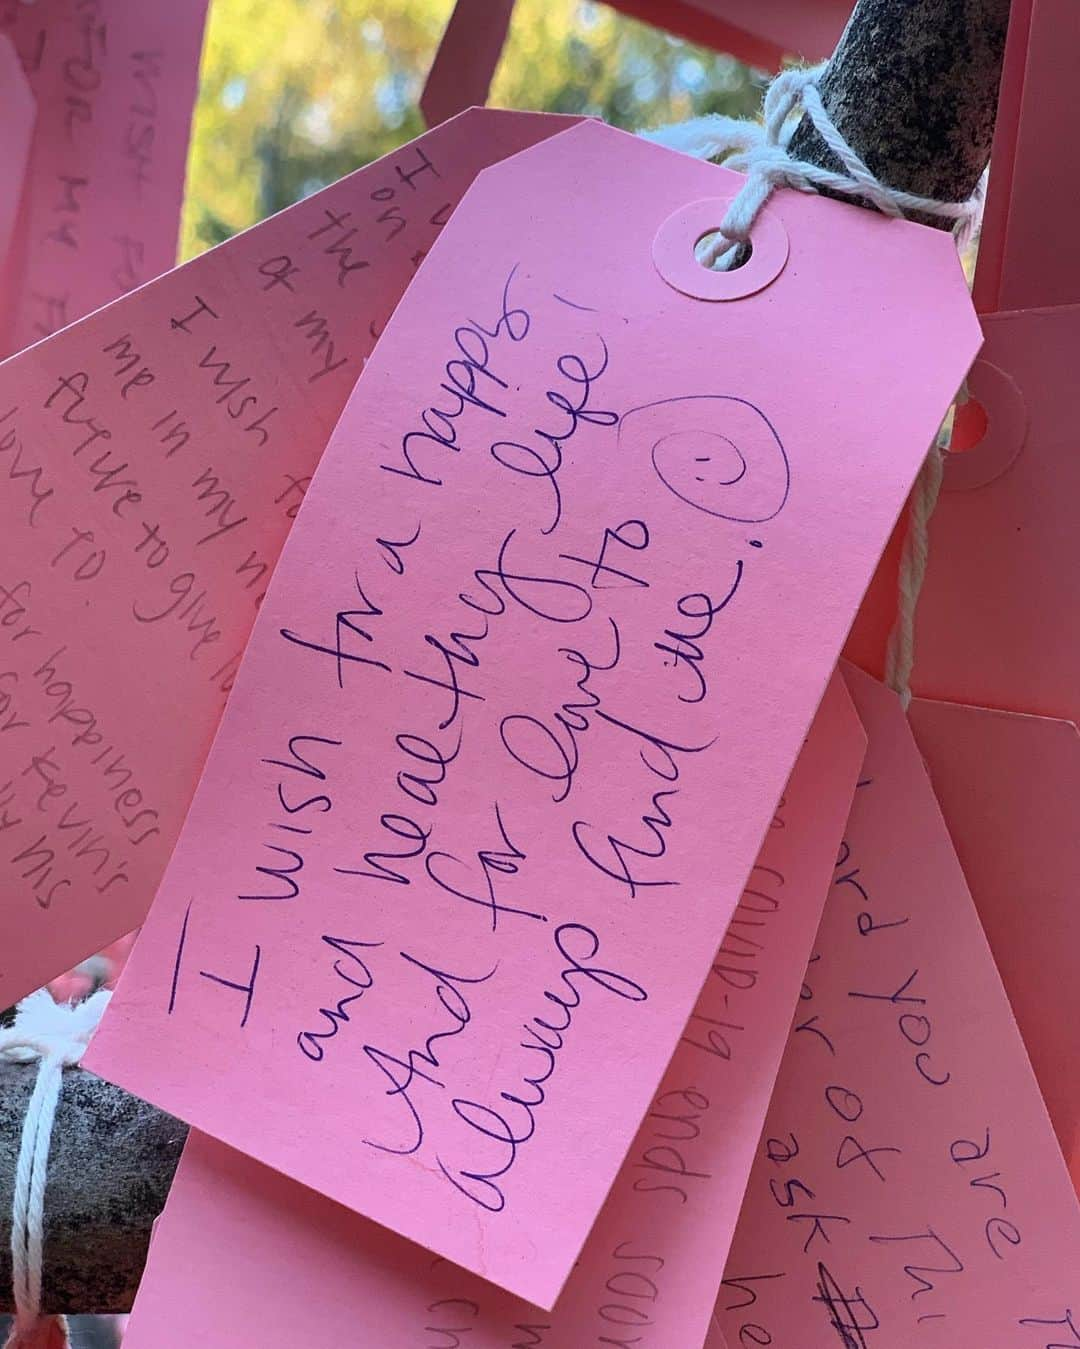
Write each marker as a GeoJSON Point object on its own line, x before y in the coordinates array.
{"type": "Point", "coordinates": [17, 112]}
{"type": "Point", "coordinates": [114, 82]}
{"type": "Point", "coordinates": [260, 1255]}
{"type": "Point", "coordinates": [521, 698]}
{"type": "Point", "coordinates": [1002, 539]}
{"type": "Point", "coordinates": [151, 460]}
{"type": "Point", "coordinates": [472, 44]}
{"type": "Point", "coordinates": [908, 1188]}
{"type": "Point", "coordinates": [1008, 786]}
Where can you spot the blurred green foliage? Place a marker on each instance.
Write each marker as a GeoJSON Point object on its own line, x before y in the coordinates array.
{"type": "Point", "coordinates": [295, 93]}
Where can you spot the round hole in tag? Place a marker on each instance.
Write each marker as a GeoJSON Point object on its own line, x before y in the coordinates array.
{"type": "Point", "coordinates": [676, 239]}
{"type": "Point", "coordinates": [1005, 424]}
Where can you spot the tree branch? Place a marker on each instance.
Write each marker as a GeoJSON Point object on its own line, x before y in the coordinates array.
{"type": "Point", "coordinates": [913, 88]}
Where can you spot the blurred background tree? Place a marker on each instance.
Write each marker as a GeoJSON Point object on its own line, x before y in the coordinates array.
{"type": "Point", "coordinates": [295, 93]}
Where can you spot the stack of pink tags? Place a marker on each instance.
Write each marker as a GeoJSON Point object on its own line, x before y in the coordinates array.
{"type": "Point", "coordinates": [424, 615]}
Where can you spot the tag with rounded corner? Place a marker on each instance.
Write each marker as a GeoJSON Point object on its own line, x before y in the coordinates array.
{"type": "Point", "coordinates": [99, 214]}
{"type": "Point", "coordinates": [18, 110]}
{"type": "Point", "coordinates": [257, 1251]}
{"type": "Point", "coordinates": [1008, 784]}
{"type": "Point", "coordinates": [527, 684]}
{"type": "Point", "coordinates": [152, 459]}
{"type": "Point", "coordinates": [908, 1186]}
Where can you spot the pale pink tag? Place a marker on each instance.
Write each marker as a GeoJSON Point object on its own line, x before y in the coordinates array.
{"type": "Point", "coordinates": [114, 82]}
{"type": "Point", "coordinates": [151, 460]}
{"type": "Point", "coordinates": [908, 1188]}
{"type": "Point", "coordinates": [17, 112]}
{"type": "Point", "coordinates": [1027, 250]}
{"type": "Point", "coordinates": [524, 692]}
{"type": "Point", "coordinates": [306, 1270]}
{"type": "Point", "coordinates": [1008, 787]}
{"type": "Point", "coordinates": [1003, 539]}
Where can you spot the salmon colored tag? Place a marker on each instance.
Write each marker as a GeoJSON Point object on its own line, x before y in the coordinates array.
{"type": "Point", "coordinates": [464, 66]}
{"type": "Point", "coordinates": [526, 687]}
{"type": "Point", "coordinates": [990, 629]}
{"type": "Point", "coordinates": [268, 1261]}
{"type": "Point", "coordinates": [1027, 253]}
{"type": "Point", "coordinates": [114, 82]}
{"type": "Point", "coordinates": [151, 460]}
{"type": "Point", "coordinates": [1001, 536]}
{"type": "Point", "coordinates": [1008, 787]}
{"type": "Point", "coordinates": [908, 1187]}
{"type": "Point", "coordinates": [17, 113]}
{"type": "Point", "coordinates": [993, 228]}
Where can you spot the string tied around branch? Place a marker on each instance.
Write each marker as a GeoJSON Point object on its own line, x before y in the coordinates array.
{"type": "Point", "coordinates": [762, 152]}
{"type": "Point", "coordinates": [56, 1035]}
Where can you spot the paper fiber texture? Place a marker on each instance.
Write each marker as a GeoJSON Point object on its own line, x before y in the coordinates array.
{"type": "Point", "coordinates": [526, 688]}
{"type": "Point", "coordinates": [1027, 257]}
{"type": "Point", "coordinates": [17, 112]}
{"type": "Point", "coordinates": [152, 458]}
{"type": "Point", "coordinates": [1008, 785]}
{"type": "Point", "coordinates": [264, 1258]}
{"type": "Point", "coordinates": [908, 1186]}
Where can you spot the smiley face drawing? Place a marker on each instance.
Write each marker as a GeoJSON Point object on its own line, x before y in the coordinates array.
{"type": "Point", "coordinates": [717, 453]}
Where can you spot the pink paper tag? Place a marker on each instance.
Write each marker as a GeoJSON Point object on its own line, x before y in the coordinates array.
{"type": "Point", "coordinates": [993, 229]}
{"type": "Point", "coordinates": [524, 692]}
{"type": "Point", "coordinates": [1003, 541]}
{"type": "Point", "coordinates": [1002, 537]}
{"type": "Point", "coordinates": [114, 82]}
{"type": "Point", "coordinates": [908, 1187]}
{"type": "Point", "coordinates": [1008, 787]}
{"type": "Point", "coordinates": [151, 460]}
{"type": "Point", "coordinates": [1027, 252]}
{"type": "Point", "coordinates": [17, 112]}
{"type": "Point", "coordinates": [271, 1263]}
{"type": "Point", "coordinates": [810, 30]}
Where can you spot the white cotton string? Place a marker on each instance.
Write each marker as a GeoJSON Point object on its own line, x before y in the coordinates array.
{"type": "Point", "coordinates": [900, 650]}
{"type": "Point", "coordinates": [914, 555]}
{"type": "Point", "coordinates": [56, 1034]}
{"type": "Point", "coordinates": [762, 153]}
